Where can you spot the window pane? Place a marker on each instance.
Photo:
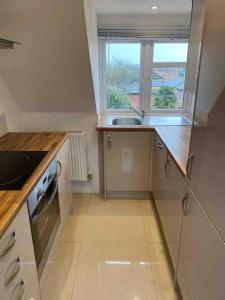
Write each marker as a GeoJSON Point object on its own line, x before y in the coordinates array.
{"type": "Point", "coordinates": [168, 75]}
{"type": "Point", "coordinates": [123, 75]}
{"type": "Point", "coordinates": [170, 52]}
{"type": "Point", "coordinates": [168, 88]}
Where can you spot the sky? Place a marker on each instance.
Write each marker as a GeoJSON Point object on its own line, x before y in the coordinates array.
{"type": "Point", "coordinates": [162, 52]}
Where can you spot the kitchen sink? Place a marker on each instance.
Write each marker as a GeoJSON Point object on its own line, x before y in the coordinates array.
{"type": "Point", "coordinates": [126, 121]}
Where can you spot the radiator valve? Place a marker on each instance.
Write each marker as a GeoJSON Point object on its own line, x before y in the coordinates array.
{"type": "Point", "coordinates": [90, 174]}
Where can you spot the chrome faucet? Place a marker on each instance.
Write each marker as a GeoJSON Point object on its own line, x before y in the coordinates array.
{"type": "Point", "coordinates": [141, 112]}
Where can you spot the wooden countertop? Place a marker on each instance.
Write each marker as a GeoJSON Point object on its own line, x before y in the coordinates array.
{"type": "Point", "coordinates": [11, 201]}
{"type": "Point", "coordinates": [175, 132]}
{"type": "Point", "coordinates": [177, 141]}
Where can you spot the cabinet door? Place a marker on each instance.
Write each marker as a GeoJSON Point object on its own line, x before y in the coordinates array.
{"type": "Point", "coordinates": [171, 209]}
{"type": "Point", "coordinates": [207, 160]}
{"type": "Point", "coordinates": [127, 160]}
{"type": "Point", "coordinates": [64, 180]}
{"type": "Point", "coordinates": [169, 189]}
{"type": "Point", "coordinates": [202, 256]}
{"type": "Point", "coordinates": [160, 178]}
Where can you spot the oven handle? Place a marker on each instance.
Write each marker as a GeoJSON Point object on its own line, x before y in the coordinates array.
{"type": "Point", "coordinates": [34, 219]}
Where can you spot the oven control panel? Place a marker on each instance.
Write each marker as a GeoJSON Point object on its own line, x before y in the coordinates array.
{"type": "Point", "coordinates": [41, 186]}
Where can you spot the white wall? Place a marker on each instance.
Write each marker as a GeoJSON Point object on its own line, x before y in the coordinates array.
{"type": "Point", "coordinates": [92, 34]}
{"type": "Point", "coordinates": [212, 71]}
{"type": "Point", "coordinates": [70, 122]}
{"type": "Point", "coordinates": [50, 71]}
{"type": "Point", "coordinates": [9, 108]}
{"type": "Point", "coordinates": [142, 21]}
{"type": "Point", "coordinates": [46, 82]}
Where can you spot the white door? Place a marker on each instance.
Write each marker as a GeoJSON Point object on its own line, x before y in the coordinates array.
{"type": "Point", "coordinates": [171, 209]}
{"type": "Point", "coordinates": [127, 160]}
{"type": "Point", "coordinates": [202, 256]}
{"type": "Point", "coordinates": [161, 179]}
{"type": "Point", "coordinates": [168, 190]}
{"type": "Point", "coordinates": [64, 180]}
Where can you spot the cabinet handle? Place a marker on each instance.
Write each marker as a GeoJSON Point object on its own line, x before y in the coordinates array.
{"type": "Point", "coordinates": [18, 291]}
{"type": "Point", "coordinates": [10, 245]}
{"type": "Point", "coordinates": [60, 168]}
{"type": "Point", "coordinates": [159, 145]}
{"type": "Point", "coordinates": [14, 273]}
{"type": "Point", "coordinates": [109, 141]}
{"type": "Point", "coordinates": [189, 165]}
{"type": "Point", "coordinates": [166, 167]}
{"type": "Point", "coordinates": [185, 201]}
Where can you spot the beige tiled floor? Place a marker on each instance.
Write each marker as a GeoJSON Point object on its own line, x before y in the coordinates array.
{"type": "Point", "coordinates": [108, 251]}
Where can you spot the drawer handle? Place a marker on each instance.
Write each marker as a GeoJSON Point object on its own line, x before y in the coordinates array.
{"type": "Point", "coordinates": [186, 209]}
{"type": "Point", "coordinates": [166, 167]}
{"type": "Point", "coordinates": [10, 245]}
{"type": "Point", "coordinates": [18, 291]}
{"type": "Point", "coordinates": [14, 273]}
{"type": "Point", "coordinates": [189, 166]}
{"type": "Point", "coordinates": [60, 168]}
{"type": "Point", "coordinates": [109, 141]}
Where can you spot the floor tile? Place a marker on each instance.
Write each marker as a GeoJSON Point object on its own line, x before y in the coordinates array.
{"type": "Point", "coordinates": [117, 224]}
{"type": "Point", "coordinates": [96, 200]}
{"type": "Point", "coordinates": [114, 210]}
{"type": "Point", "coordinates": [73, 229]}
{"type": "Point", "coordinates": [161, 273]}
{"type": "Point", "coordinates": [79, 200]}
{"type": "Point", "coordinates": [108, 251]}
{"type": "Point", "coordinates": [114, 272]}
{"type": "Point", "coordinates": [146, 209]}
{"type": "Point", "coordinates": [146, 202]}
{"type": "Point", "coordinates": [78, 209]}
{"type": "Point", "coordinates": [62, 271]}
{"type": "Point", "coordinates": [151, 228]}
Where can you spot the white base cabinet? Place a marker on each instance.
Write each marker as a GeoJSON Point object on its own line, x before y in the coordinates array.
{"type": "Point", "coordinates": [64, 180]}
{"type": "Point", "coordinates": [127, 161]}
{"type": "Point", "coordinates": [171, 209]}
{"type": "Point", "coordinates": [159, 175]}
{"type": "Point", "coordinates": [201, 264]}
{"type": "Point", "coordinates": [168, 191]}
{"type": "Point", "coordinates": [18, 276]}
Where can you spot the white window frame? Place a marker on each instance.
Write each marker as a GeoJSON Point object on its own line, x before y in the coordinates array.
{"type": "Point", "coordinates": [147, 65]}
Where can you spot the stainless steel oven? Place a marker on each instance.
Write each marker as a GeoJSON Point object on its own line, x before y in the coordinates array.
{"type": "Point", "coordinates": [44, 211]}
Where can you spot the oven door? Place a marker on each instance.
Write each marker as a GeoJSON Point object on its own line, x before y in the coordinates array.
{"type": "Point", "coordinates": [44, 224]}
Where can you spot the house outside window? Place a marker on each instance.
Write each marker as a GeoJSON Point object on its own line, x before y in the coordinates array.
{"type": "Point", "coordinates": [143, 74]}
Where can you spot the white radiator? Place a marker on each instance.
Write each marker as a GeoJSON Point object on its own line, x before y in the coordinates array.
{"type": "Point", "coordinates": [78, 150]}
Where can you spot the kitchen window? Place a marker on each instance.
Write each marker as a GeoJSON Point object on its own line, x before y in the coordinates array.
{"type": "Point", "coordinates": [144, 74]}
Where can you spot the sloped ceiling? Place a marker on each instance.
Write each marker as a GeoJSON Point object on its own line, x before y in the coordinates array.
{"type": "Point", "coordinates": [50, 71]}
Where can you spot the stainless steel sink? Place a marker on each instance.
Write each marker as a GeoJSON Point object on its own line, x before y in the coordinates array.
{"type": "Point", "coordinates": [126, 121]}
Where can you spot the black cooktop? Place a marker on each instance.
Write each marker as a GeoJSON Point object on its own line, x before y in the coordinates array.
{"type": "Point", "coordinates": [17, 166]}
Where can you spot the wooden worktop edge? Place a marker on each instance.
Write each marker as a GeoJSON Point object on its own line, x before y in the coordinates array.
{"type": "Point", "coordinates": [181, 168]}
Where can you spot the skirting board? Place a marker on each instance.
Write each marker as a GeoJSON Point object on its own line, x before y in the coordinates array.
{"type": "Point", "coordinates": [128, 195]}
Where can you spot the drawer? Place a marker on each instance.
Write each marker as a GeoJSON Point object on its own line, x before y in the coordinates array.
{"type": "Point", "coordinates": [21, 261]}
{"type": "Point", "coordinates": [13, 234]}
{"type": "Point", "coordinates": [14, 292]}
{"type": "Point", "coordinates": [23, 291]}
